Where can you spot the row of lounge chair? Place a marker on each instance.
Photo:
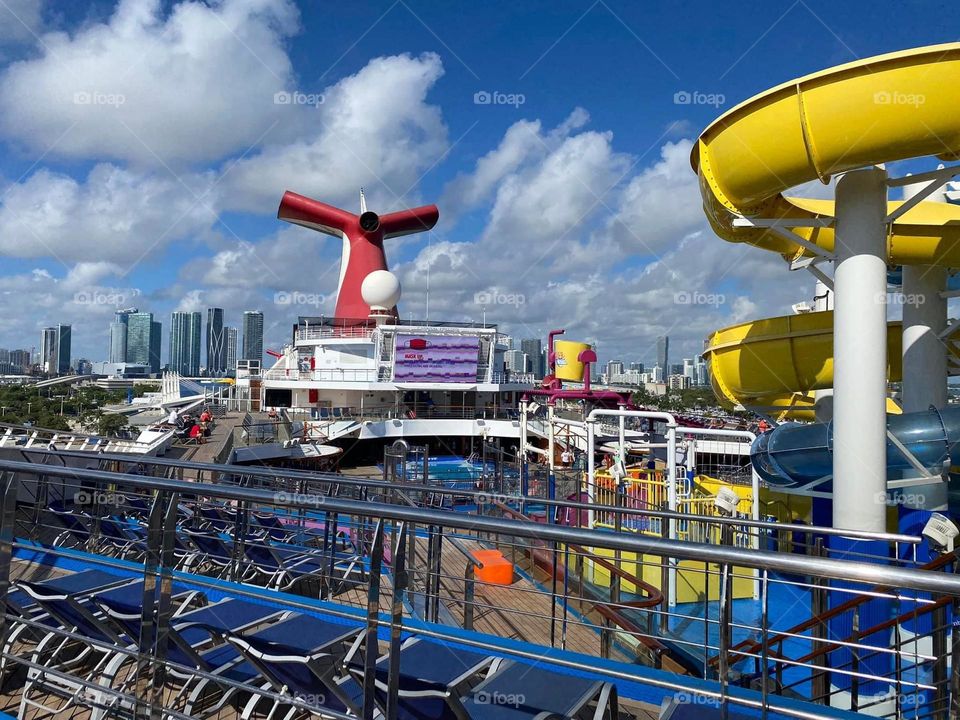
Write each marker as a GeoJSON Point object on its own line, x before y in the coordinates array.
{"type": "Point", "coordinates": [273, 554]}
{"type": "Point", "coordinates": [82, 633]}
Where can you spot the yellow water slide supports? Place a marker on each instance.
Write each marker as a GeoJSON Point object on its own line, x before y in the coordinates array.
{"type": "Point", "coordinates": [808, 129]}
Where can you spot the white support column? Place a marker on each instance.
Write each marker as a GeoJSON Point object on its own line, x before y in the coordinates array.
{"type": "Point", "coordinates": [860, 351]}
{"type": "Point", "coordinates": [823, 399]}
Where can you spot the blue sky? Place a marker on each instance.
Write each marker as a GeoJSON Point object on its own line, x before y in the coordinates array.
{"type": "Point", "coordinates": [143, 156]}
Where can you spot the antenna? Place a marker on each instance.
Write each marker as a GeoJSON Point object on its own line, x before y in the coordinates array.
{"type": "Point", "coordinates": [363, 202]}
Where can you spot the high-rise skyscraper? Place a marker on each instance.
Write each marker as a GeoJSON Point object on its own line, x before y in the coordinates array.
{"type": "Point", "coordinates": [143, 340]}
{"type": "Point", "coordinates": [48, 350]}
{"type": "Point", "coordinates": [515, 360]}
{"type": "Point", "coordinates": [216, 343]}
{"type": "Point", "coordinates": [231, 367]}
{"type": "Point", "coordinates": [533, 347]}
{"type": "Point", "coordinates": [614, 368]}
{"type": "Point", "coordinates": [63, 348]}
{"type": "Point", "coordinates": [20, 360]}
{"type": "Point", "coordinates": [156, 333]}
{"type": "Point", "coordinates": [118, 335]}
{"type": "Point", "coordinates": [701, 370]}
{"type": "Point", "coordinates": [663, 352]}
{"type": "Point", "coordinates": [185, 343]}
{"type": "Point", "coordinates": [55, 349]}
{"type": "Point", "coordinates": [252, 335]}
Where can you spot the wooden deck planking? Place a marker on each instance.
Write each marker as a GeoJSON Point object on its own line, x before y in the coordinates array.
{"type": "Point", "coordinates": [520, 611]}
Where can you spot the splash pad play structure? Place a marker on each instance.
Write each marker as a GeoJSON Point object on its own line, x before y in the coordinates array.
{"type": "Point", "coordinates": [833, 365]}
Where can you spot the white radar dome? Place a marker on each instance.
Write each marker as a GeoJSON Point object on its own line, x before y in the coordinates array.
{"type": "Point", "coordinates": [380, 289]}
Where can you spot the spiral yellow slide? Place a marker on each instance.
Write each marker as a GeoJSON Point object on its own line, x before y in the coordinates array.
{"type": "Point", "coordinates": [813, 128]}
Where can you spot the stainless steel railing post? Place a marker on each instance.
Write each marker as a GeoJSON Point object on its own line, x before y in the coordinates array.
{"type": "Point", "coordinates": [468, 596]}
{"type": "Point", "coordinates": [725, 616]}
{"type": "Point", "coordinates": [940, 681]}
{"type": "Point", "coordinates": [8, 512]}
{"type": "Point", "coordinates": [400, 578]}
{"type": "Point", "coordinates": [955, 661]}
{"type": "Point", "coordinates": [371, 650]}
{"type": "Point", "coordinates": [818, 606]}
{"type": "Point", "coordinates": [764, 648]}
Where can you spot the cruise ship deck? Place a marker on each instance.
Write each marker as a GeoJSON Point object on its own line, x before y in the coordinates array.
{"type": "Point", "coordinates": [158, 587]}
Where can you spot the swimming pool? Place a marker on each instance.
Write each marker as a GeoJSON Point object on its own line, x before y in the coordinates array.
{"type": "Point", "coordinates": [455, 472]}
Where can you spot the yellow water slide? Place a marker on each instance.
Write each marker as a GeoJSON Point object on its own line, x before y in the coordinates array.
{"type": "Point", "coordinates": [882, 109]}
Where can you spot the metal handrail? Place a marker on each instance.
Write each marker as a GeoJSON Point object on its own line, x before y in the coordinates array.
{"type": "Point", "coordinates": [476, 494]}
{"type": "Point", "coordinates": [853, 571]}
{"type": "Point", "coordinates": [655, 596]}
{"type": "Point", "coordinates": [456, 543]}
{"type": "Point", "coordinates": [751, 646]}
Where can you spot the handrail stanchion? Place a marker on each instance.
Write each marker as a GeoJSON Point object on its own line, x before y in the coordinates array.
{"type": "Point", "coordinates": [725, 616]}
{"type": "Point", "coordinates": [468, 596]}
{"type": "Point", "coordinates": [151, 564]}
{"type": "Point", "coordinates": [396, 619]}
{"type": "Point", "coordinates": [765, 650]}
{"type": "Point", "coordinates": [955, 661]}
{"type": "Point", "coordinates": [818, 605]}
{"type": "Point", "coordinates": [164, 607]}
{"type": "Point", "coordinates": [8, 513]}
{"type": "Point", "coordinates": [373, 615]}
{"type": "Point", "coordinates": [663, 621]}
{"type": "Point", "coordinates": [855, 662]}
{"type": "Point", "coordinates": [940, 680]}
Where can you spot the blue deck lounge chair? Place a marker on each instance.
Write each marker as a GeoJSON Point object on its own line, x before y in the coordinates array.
{"type": "Point", "coordinates": [433, 678]}
{"type": "Point", "coordinates": [191, 640]}
{"type": "Point", "coordinates": [297, 667]}
{"type": "Point", "coordinates": [21, 606]}
{"type": "Point", "coordinates": [75, 532]}
{"type": "Point", "coordinates": [530, 692]}
{"type": "Point", "coordinates": [304, 573]}
{"type": "Point", "coordinates": [83, 660]}
{"type": "Point", "coordinates": [307, 634]}
{"type": "Point", "coordinates": [271, 526]}
{"type": "Point", "coordinates": [214, 556]}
